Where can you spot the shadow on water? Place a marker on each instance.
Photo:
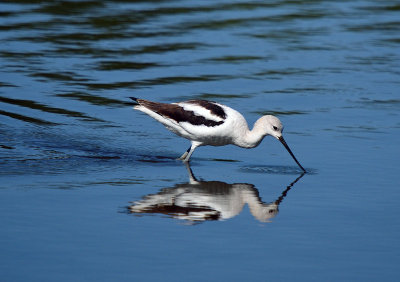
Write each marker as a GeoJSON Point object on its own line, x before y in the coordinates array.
{"type": "Point", "coordinates": [199, 201]}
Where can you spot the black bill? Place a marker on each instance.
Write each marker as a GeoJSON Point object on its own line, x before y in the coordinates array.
{"type": "Point", "coordinates": [290, 152]}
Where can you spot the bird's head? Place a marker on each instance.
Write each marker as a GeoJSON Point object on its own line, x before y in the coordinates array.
{"type": "Point", "coordinates": [271, 125]}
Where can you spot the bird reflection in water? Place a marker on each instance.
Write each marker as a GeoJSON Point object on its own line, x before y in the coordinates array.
{"type": "Point", "coordinates": [199, 201]}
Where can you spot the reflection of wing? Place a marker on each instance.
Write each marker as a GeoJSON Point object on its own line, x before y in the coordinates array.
{"type": "Point", "coordinates": [169, 202]}
{"type": "Point", "coordinates": [208, 200]}
{"type": "Point", "coordinates": [198, 202]}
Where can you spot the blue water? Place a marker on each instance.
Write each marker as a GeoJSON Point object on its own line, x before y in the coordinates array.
{"type": "Point", "coordinates": [90, 189]}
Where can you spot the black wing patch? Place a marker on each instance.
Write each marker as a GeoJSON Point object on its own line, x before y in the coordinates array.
{"type": "Point", "coordinates": [211, 106]}
{"type": "Point", "coordinates": [178, 114]}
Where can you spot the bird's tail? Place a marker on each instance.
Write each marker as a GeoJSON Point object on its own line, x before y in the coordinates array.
{"type": "Point", "coordinates": [134, 102]}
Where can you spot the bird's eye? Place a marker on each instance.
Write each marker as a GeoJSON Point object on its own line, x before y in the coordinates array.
{"type": "Point", "coordinates": [275, 128]}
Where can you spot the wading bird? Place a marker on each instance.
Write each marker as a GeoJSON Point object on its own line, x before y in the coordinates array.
{"type": "Point", "coordinates": [210, 123]}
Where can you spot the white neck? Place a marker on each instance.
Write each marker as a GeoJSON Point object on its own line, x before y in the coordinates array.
{"type": "Point", "coordinates": [252, 138]}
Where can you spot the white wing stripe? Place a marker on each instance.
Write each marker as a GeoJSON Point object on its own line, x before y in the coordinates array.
{"type": "Point", "coordinates": [200, 111]}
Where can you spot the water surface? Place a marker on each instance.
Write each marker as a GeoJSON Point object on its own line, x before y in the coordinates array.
{"type": "Point", "coordinates": [90, 189]}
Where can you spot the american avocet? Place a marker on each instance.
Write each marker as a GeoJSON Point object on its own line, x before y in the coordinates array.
{"type": "Point", "coordinates": [210, 123]}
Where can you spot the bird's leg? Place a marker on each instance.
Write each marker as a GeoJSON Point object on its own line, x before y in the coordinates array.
{"type": "Point", "coordinates": [186, 156]}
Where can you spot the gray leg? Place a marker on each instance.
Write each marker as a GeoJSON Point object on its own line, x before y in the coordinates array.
{"type": "Point", "coordinates": [189, 154]}
{"type": "Point", "coordinates": [186, 156]}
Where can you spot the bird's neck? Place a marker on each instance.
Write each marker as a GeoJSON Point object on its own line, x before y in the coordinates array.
{"type": "Point", "coordinates": [252, 138]}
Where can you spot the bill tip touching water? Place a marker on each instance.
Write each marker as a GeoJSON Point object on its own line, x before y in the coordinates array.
{"type": "Point", "coordinates": [209, 123]}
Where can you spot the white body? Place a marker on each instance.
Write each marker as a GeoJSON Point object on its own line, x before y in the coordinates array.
{"type": "Point", "coordinates": [234, 130]}
{"type": "Point", "coordinates": [209, 123]}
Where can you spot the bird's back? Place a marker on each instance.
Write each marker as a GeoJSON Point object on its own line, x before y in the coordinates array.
{"type": "Point", "coordinates": [207, 122]}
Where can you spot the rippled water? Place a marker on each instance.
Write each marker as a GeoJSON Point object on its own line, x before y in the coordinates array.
{"type": "Point", "coordinates": [90, 189]}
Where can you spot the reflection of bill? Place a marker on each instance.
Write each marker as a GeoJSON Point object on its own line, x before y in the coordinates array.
{"type": "Point", "coordinates": [199, 201]}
